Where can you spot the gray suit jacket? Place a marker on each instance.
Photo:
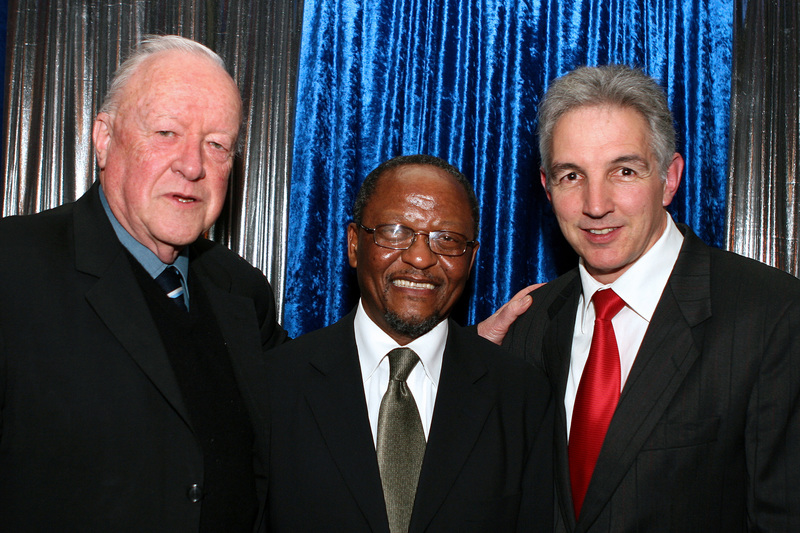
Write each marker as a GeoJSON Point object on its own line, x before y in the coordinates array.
{"type": "Point", "coordinates": [94, 434]}
{"type": "Point", "coordinates": [706, 436]}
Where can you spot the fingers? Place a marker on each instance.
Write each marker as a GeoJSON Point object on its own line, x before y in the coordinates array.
{"type": "Point", "coordinates": [524, 292]}
{"type": "Point", "coordinates": [496, 326]}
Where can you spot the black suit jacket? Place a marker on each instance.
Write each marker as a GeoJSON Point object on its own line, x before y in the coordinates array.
{"type": "Point", "coordinates": [706, 435]}
{"type": "Point", "coordinates": [487, 464]}
{"type": "Point", "coordinates": [94, 435]}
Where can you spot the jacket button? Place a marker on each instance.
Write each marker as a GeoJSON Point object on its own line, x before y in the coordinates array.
{"type": "Point", "coordinates": [195, 493]}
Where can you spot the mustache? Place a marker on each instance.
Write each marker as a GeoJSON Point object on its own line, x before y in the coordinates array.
{"type": "Point", "coordinates": [417, 275]}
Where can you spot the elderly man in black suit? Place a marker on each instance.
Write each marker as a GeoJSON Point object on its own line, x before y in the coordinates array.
{"type": "Point", "coordinates": [131, 367]}
{"type": "Point", "coordinates": [395, 418]}
{"type": "Point", "coordinates": [675, 366]}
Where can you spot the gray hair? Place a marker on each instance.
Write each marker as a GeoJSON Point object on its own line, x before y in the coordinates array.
{"type": "Point", "coordinates": [149, 46]}
{"type": "Point", "coordinates": [615, 85]}
{"type": "Point", "coordinates": [371, 183]}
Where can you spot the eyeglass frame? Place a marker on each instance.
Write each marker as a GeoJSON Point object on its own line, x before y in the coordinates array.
{"type": "Point", "coordinates": [427, 235]}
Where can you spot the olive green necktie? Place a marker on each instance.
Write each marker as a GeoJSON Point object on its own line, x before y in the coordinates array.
{"type": "Point", "coordinates": [401, 441]}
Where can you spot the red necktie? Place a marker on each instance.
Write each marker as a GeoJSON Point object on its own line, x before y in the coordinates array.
{"type": "Point", "coordinates": [597, 396]}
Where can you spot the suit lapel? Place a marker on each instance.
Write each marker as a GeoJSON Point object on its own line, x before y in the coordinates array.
{"type": "Point", "coordinates": [557, 349]}
{"type": "Point", "coordinates": [459, 415]}
{"type": "Point", "coordinates": [117, 298]}
{"type": "Point", "coordinates": [335, 396]}
{"type": "Point", "coordinates": [669, 349]}
{"type": "Point", "coordinates": [241, 333]}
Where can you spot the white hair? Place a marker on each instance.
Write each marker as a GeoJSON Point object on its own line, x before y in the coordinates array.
{"type": "Point", "coordinates": [151, 45]}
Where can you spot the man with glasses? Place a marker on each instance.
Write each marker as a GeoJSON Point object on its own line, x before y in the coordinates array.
{"type": "Point", "coordinates": [395, 418]}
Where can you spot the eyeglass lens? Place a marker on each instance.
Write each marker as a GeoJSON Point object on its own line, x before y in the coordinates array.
{"type": "Point", "coordinates": [401, 237]}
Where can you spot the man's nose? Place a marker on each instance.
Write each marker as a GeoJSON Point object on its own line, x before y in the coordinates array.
{"type": "Point", "coordinates": [597, 198]}
{"type": "Point", "coordinates": [189, 160]}
{"type": "Point", "coordinates": [419, 254]}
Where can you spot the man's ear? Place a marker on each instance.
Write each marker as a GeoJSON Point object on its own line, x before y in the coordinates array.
{"type": "Point", "coordinates": [352, 244]}
{"type": "Point", "coordinates": [474, 252]}
{"type": "Point", "coordinates": [673, 179]}
{"type": "Point", "coordinates": [543, 178]}
{"type": "Point", "coordinates": [101, 137]}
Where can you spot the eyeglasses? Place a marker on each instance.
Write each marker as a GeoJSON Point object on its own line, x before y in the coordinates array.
{"type": "Point", "coordinates": [399, 237]}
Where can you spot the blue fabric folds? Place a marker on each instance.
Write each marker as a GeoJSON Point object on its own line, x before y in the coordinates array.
{"type": "Point", "coordinates": [461, 80]}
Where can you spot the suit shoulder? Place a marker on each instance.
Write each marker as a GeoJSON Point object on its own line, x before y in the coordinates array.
{"type": "Point", "coordinates": [220, 263]}
{"type": "Point", "coordinates": [525, 334]}
{"type": "Point", "coordinates": [47, 225]}
{"type": "Point", "coordinates": [499, 361]}
{"type": "Point", "coordinates": [36, 243]}
{"type": "Point", "coordinates": [338, 336]}
{"type": "Point", "coordinates": [220, 254]}
{"type": "Point", "coordinates": [544, 296]}
{"type": "Point", "coordinates": [747, 276]}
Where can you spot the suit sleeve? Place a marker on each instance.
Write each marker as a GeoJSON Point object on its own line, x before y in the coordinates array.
{"type": "Point", "coordinates": [272, 333]}
{"type": "Point", "coordinates": [772, 434]}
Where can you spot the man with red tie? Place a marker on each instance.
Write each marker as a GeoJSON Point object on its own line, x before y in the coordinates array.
{"type": "Point", "coordinates": [677, 365]}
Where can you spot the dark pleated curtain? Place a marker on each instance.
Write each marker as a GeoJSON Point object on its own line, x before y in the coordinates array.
{"type": "Point", "coordinates": [60, 58]}
{"type": "Point", "coordinates": [461, 80]}
{"type": "Point", "coordinates": [764, 191]}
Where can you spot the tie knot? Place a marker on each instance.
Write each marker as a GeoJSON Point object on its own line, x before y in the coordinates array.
{"type": "Point", "coordinates": [169, 280]}
{"type": "Point", "coordinates": [607, 304]}
{"type": "Point", "coordinates": [401, 362]}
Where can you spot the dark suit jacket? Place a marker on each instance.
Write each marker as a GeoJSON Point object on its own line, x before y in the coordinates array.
{"type": "Point", "coordinates": [487, 464]}
{"type": "Point", "coordinates": [706, 436]}
{"type": "Point", "coordinates": [94, 435]}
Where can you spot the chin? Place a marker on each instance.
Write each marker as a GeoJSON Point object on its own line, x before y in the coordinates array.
{"type": "Point", "coordinates": [412, 327]}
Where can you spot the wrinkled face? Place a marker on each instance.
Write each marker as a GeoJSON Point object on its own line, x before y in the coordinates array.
{"type": "Point", "coordinates": [407, 292]}
{"type": "Point", "coordinates": [605, 187]}
{"type": "Point", "coordinates": [166, 153]}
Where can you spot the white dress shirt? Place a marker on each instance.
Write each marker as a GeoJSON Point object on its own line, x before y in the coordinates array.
{"type": "Point", "coordinates": [640, 287]}
{"type": "Point", "coordinates": [374, 345]}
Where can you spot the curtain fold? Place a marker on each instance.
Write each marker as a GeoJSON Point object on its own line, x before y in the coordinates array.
{"type": "Point", "coordinates": [763, 193]}
{"type": "Point", "coordinates": [60, 58]}
{"type": "Point", "coordinates": [461, 80]}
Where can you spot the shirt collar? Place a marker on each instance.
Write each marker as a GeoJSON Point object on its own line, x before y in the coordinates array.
{"type": "Point", "coordinates": [642, 284]}
{"type": "Point", "coordinates": [150, 261]}
{"type": "Point", "coordinates": [374, 344]}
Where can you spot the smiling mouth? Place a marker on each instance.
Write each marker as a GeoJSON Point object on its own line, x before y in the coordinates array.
{"type": "Point", "coordinates": [184, 199]}
{"type": "Point", "coordinates": [604, 231]}
{"type": "Point", "coordinates": [412, 284]}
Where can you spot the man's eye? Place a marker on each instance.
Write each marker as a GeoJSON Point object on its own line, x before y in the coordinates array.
{"type": "Point", "coordinates": [626, 173]}
{"type": "Point", "coordinates": [165, 133]}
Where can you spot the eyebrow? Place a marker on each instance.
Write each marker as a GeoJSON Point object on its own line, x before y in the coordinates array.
{"type": "Point", "coordinates": [628, 158]}
{"type": "Point", "coordinates": [561, 167]}
{"type": "Point", "coordinates": [631, 158]}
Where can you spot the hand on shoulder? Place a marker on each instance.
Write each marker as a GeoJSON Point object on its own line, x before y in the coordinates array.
{"type": "Point", "coordinates": [496, 326]}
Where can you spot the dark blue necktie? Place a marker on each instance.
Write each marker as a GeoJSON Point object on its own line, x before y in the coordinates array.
{"type": "Point", "coordinates": [170, 282]}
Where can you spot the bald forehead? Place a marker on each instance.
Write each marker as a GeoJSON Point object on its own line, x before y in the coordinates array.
{"type": "Point", "coordinates": [180, 69]}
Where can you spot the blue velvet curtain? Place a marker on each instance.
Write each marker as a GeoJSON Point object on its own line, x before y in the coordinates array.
{"type": "Point", "coordinates": [461, 79]}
